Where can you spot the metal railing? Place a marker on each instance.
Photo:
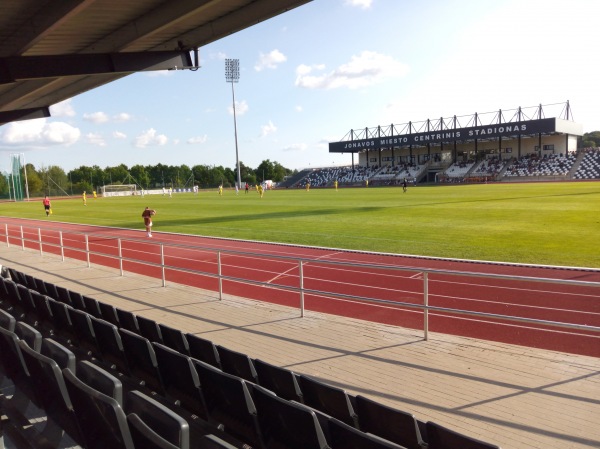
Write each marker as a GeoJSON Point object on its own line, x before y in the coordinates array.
{"type": "Point", "coordinates": [300, 262]}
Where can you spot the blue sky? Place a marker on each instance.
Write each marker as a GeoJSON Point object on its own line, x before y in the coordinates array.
{"type": "Point", "coordinates": [310, 75]}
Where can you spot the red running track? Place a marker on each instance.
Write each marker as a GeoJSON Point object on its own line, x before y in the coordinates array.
{"type": "Point", "coordinates": [525, 299]}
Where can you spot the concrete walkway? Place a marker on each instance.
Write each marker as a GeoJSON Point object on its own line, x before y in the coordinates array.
{"type": "Point", "coordinates": [513, 396]}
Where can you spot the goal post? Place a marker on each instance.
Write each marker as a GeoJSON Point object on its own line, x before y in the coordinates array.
{"type": "Point", "coordinates": [118, 190]}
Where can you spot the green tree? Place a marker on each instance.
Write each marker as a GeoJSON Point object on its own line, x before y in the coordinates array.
{"type": "Point", "coordinates": [247, 174]}
{"type": "Point", "coordinates": [35, 184]}
{"type": "Point", "coordinates": [266, 170]}
{"type": "Point", "coordinates": [118, 174]}
{"type": "Point", "coordinates": [140, 175]}
{"type": "Point", "coordinates": [3, 186]}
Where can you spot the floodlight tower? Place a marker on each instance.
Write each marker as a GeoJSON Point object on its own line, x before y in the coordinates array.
{"type": "Point", "coordinates": [232, 75]}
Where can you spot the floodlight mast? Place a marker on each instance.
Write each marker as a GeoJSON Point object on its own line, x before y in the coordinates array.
{"type": "Point", "coordinates": [232, 75]}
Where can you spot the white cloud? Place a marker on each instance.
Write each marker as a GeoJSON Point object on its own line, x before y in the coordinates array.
{"type": "Point", "coordinates": [295, 147]}
{"type": "Point", "coordinates": [95, 139]}
{"type": "Point", "coordinates": [119, 135]}
{"type": "Point", "coordinates": [363, 70]}
{"type": "Point", "coordinates": [96, 117]}
{"type": "Point", "coordinates": [62, 109]}
{"type": "Point", "coordinates": [241, 107]}
{"type": "Point", "coordinates": [363, 4]}
{"type": "Point", "coordinates": [269, 60]}
{"type": "Point", "coordinates": [122, 117]}
{"type": "Point", "coordinates": [150, 138]}
{"type": "Point", "coordinates": [267, 129]}
{"type": "Point", "coordinates": [198, 139]}
{"type": "Point", "coordinates": [38, 132]}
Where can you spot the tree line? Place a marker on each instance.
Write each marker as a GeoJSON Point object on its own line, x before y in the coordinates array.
{"type": "Point", "coordinates": [54, 181]}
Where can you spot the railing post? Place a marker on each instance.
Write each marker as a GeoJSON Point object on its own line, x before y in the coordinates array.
{"type": "Point", "coordinates": [162, 264]}
{"type": "Point", "coordinates": [40, 241]}
{"type": "Point", "coordinates": [220, 275]}
{"type": "Point", "coordinates": [301, 276]}
{"type": "Point", "coordinates": [62, 248]}
{"type": "Point", "coordinates": [426, 304]}
{"type": "Point", "coordinates": [22, 239]}
{"type": "Point", "coordinates": [7, 241]}
{"type": "Point", "coordinates": [87, 250]}
{"type": "Point", "coordinates": [120, 257]}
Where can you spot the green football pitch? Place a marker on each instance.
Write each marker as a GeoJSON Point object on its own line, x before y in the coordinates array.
{"type": "Point", "coordinates": [540, 223]}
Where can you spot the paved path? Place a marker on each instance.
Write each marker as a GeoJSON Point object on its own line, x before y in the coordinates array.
{"type": "Point", "coordinates": [513, 396]}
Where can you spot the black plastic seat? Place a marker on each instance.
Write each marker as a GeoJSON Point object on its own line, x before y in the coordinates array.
{"type": "Point", "coordinates": [100, 380]}
{"type": "Point", "coordinates": [281, 381]}
{"type": "Point", "coordinates": [14, 304]}
{"type": "Point", "coordinates": [50, 290]}
{"type": "Point", "coordinates": [237, 363]}
{"type": "Point", "coordinates": [128, 320]}
{"type": "Point", "coordinates": [101, 419]}
{"type": "Point", "coordinates": [63, 357]}
{"type": "Point", "coordinates": [439, 437]}
{"type": "Point", "coordinates": [51, 396]}
{"type": "Point", "coordinates": [386, 422]}
{"type": "Point", "coordinates": [110, 346]}
{"type": "Point", "coordinates": [30, 315]}
{"type": "Point", "coordinates": [63, 295]}
{"type": "Point", "coordinates": [149, 329]}
{"type": "Point", "coordinates": [109, 313]}
{"type": "Point", "coordinates": [77, 300]}
{"type": "Point", "coordinates": [12, 366]}
{"type": "Point", "coordinates": [62, 321]}
{"type": "Point", "coordinates": [180, 379]}
{"type": "Point", "coordinates": [85, 339]}
{"type": "Point", "coordinates": [229, 403]}
{"type": "Point", "coordinates": [7, 321]}
{"type": "Point", "coordinates": [141, 360]}
{"type": "Point", "coordinates": [203, 350]}
{"type": "Point", "coordinates": [45, 324]}
{"type": "Point", "coordinates": [328, 399]}
{"type": "Point", "coordinates": [91, 306]}
{"type": "Point", "coordinates": [344, 436]}
{"type": "Point", "coordinates": [154, 426]}
{"type": "Point", "coordinates": [174, 339]}
{"type": "Point", "coordinates": [286, 424]}
{"type": "Point", "coordinates": [29, 334]}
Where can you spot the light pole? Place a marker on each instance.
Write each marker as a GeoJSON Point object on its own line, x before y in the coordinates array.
{"type": "Point", "coordinates": [232, 75]}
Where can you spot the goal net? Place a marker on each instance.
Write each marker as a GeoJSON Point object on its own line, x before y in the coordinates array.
{"type": "Point", "coordinates": [119, 190]}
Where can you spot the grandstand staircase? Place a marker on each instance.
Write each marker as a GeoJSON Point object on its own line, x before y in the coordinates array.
{"type": "Point", "coordinates": [292, 180]}
{"type": "Point", "coordinates": [576, 165]}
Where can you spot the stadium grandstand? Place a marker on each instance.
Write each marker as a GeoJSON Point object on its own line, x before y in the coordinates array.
{"type": "Point", "coordinates": [532, 143]}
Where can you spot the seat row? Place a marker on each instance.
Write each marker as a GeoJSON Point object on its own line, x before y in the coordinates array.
{"type": "Point", "coordinates": [251, 401]}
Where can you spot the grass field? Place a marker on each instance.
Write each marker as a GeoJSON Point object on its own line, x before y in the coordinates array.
{"type": "Point", "coordinates": [541, 223]}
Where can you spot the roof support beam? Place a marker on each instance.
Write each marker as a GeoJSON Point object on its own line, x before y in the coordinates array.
{"type": "Point", "coordinates": [46, 20]}
{"type": "Point", "coordinates": [33, 67]}
{"type": "Point", "coordinates": [23, 114]}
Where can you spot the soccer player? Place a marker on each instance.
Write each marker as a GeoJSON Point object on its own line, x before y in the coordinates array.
{"type": "Point", "coordinates": [404, 185]}
{"type": "Point", "coordinates": [147, 216]}
{"type": "Point", "coordinates": [247, 186]}
{"type": "Point", "coordinates": [308, 186]}
{"type": "Point", "coordinates": [260, 190]}
{"type": "Point", "coordinates": [84, 198]}
{"type": "Point", "coordinates": [95, 194]}
{"type": "Point", "coordinates": [335, 184]}
{"type": "Point", "coordinates": [220, 189]}
{"type": "Point", "coordinates": [47, 207]}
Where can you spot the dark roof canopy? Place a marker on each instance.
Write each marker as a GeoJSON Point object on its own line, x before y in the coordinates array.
{"type": "Point", "coordinates": [53, 50]}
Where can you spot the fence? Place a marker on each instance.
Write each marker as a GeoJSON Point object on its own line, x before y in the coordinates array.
{"type": "Point", "coordinates": [186, 261]}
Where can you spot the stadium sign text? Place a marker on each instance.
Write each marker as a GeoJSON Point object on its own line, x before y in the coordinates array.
{"type": "Point", "coordinates": [458, 134]}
